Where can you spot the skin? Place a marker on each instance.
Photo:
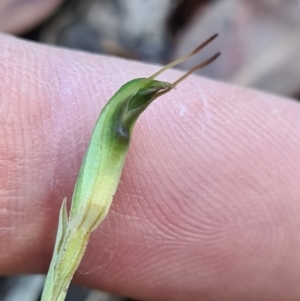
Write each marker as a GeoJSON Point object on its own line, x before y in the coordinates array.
{"type": "Point", "coordinates": [208, 204]}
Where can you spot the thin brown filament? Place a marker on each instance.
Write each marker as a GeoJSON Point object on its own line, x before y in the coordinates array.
{"type": "Point", "coordinates": [184, 58]}
{"type": "Point", "coordinates": [179, 80]}
{"type": "Point", "coordinates": [198, 67]}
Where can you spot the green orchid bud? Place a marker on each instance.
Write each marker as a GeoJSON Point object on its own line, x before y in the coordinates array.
{"type": "Point", "coordinates": [100, 174]}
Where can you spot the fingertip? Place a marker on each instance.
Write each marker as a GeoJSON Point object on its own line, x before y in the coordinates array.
{"type": "Point", "coordinates": [208, 201]}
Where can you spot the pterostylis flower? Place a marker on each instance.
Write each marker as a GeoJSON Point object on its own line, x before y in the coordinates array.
{"type": "Point", "coordinates": [100, 173]}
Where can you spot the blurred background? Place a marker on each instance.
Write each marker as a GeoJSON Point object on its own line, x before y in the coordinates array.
{"type": "Point", "coordinates": [259, 41]}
